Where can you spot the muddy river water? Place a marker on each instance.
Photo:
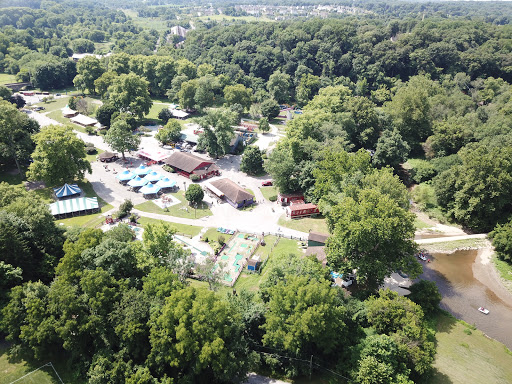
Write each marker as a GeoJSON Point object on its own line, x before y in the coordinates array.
{"type": "Point", "coordinates": [463, 294]}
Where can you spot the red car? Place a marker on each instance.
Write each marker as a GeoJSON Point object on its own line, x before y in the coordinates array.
{"type": "Point", "coordinates": [267, 183]}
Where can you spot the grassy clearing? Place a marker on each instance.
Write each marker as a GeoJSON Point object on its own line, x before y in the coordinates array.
{"type": "Point", "coordinates": [6, 78]}
{"type": "Point", "coordinates": [462, 355]}
{"type": "Point", "coordinates": [92, 158]}
{"type": "Point", "coordinates": [419, 224]}
{"type": "Point", "coordinates": [87, 221]}
{"type": "Point", "coordinates": [54, 105]}
{"type": "Point", "coordinates": [252, 281]}
{"type": "Point", "coordinates": [178, 210]}
{"type": "Point", "coordinates": [505, 271]}
{"type": "Point", "coordinates": [268, 192]}
{"type": "Point", "coordinates": [155, 110]}
{"type": "Point", "coordinates": [11, 370]}
{"type": "Point", "coordinates": [213, 235]}
{"type": "Point", "coordinates": [451, 246]}
{"type": "Point", "coordinates": [306, 224]}
{"type": "Point", "coordinates": [186, 229]}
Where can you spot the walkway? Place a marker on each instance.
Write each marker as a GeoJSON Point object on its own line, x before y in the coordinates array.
{"type": "Point", "coordinates": [451, 238]}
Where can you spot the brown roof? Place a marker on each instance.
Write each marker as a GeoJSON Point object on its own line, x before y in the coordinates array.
{"type": "Point", "coordinates": [185, 161]}
{"type": "Point", "coordinates": [208, 169]}
{"type": "Point", "coordinates": [319, 252]}
{"type": "Point", "coordinates": [232, 190]}
{"type": "Point", "coordinates": [300, 207]}
{"type": "Point", "coordinates": [107, 155]}
{"type": "Point", "coordinates": [318, 237]}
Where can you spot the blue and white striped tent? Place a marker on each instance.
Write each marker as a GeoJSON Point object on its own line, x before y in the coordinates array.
{"type": "Point", "coordinates": [67, 190]}
{"type": "Point", "coordinates": [81, 205]}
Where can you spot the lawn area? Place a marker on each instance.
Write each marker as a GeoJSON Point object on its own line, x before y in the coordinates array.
{"type": "Point", "coordinates": [14, 370]}
{"type": "Point", "coordinates": [178, 210]}
{"type": "Point", "coordinates": [6, 78]}
{"type": "Point", "coordinates": [462, 357]}
{"type": "Point", "coordinates": [315, 224]}
{"type": "Point", "coordinates": [450, 246]}
{"type": "Point", "coordinates": [92, 158]}
{"type": "Point", "coordinates": [54, 105]}
{"type": "Point", "coordinates": [186, 229]}
{"type": "Point", "coordinates": [252, 281]}
{"type": "Point", "coordinates": [419, 224]}
{"type": "Point", "coordinates": [155, 109]}
{"type": "Point", "coordinates": [268, 192]}
{"type": "Point", "coordinates": [505, 270]}
{"type": "Point", "coordinates": [213, 235]}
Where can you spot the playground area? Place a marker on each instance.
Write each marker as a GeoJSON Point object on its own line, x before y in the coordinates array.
{"type": "Point", "coordinates": [235, 255]}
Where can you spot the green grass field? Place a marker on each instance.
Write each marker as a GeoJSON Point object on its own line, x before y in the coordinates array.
{"type": "Point", "coordinates": [505, 270]}
{"type": "Point", "coordinates": [462, 358]}
{"type": "Point", "coordinates": [450, 246]}
{"type": "Point", "coordinates": [315, 224]}
{"type": "Point", "coordinates": [11, 370]}
{"type": "Point", "coordinates": [190, 230]}
{"type": "Point", "coordinates": [178, 210]}
{"type": "Point", "coordinates": [268, 192]}
{"type": "Point", "coordinates": [6, 78]}
{"type": "Point", "coordinates": [252, 281]}
{"type": "Point", "coordinates": [213, 235]}
{"type": "Point", "coordinates": [419, 224]}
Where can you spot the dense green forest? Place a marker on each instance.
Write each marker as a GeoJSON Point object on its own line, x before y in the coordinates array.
{"type": "Point", "coordinates": [428, 82]}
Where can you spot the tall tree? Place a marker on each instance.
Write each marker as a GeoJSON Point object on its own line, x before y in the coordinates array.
{"type": "Point", "coordinates": [279, 85]}
{"type": "Point", "coordinates": [130, 93]}
{"type": "Point", "coordinates": [218, 131]}
{"type": "Point", "coordinates": [371, 234]}
{"type": "Point", "coordinates": [252, 162]}
{"type": "Point", "coordinates": [59, 156]}
{"type": "Point", "coordinates": [16, 130]}
{"type": "Point", "coordinates": [238, 94]}
{"type": "Point", "coordinates": [197, 338]}
{"type": "Point", "coordinates": [121, 138]}
{"type": "Point", "coordinates": [89, 69]}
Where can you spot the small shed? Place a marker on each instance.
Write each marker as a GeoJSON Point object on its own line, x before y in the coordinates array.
{"type": "Point", "coordinates": [253, 264]}
{"type": "Point", "coordinates": [317, 239]}
{"type": "Point", "coordinates": [83, 120]}
{"type": "Point", "coordinates": [302, 210]}
{"type": "Point", "coordinates": [108, 157]}
{"type": "Point", "coordinates": [288, 198]}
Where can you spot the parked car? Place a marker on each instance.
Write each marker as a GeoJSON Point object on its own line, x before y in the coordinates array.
{"type": "Point", "coordinates": [266, 183]}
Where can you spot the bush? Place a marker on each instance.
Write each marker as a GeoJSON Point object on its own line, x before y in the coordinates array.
{"type": "Point", "coordinates": [90, 130]}
{"type": "Point", "coordinates": [222, 240]}
{"type": "Point", "coordinates": [90, 150]}
{"type": "Point", "coordinates": [422, 170]}
{"type": "Point", "coordinates": [125, 209]}
{"type": "Point", "coordinates": [273, 198]}
{"type": "Point", "coordinates": [194, 178]}
{"type": "Point", "coordinates": [205, 239]}
{"type": "Point", "coordinates": [164, 115]}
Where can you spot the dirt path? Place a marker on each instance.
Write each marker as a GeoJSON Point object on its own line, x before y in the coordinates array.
{"type": "Point", "coordinates": [450, 238]}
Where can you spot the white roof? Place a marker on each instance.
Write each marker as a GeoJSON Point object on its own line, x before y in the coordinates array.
{"type": "Point", "coordinates": [215, 190]}
{"type": "Point", "coordinates": [68, 111]}
{"type": "Point", "coordinates": [83, 120]}
{"type": "Point", "coordinates": [179, 113]}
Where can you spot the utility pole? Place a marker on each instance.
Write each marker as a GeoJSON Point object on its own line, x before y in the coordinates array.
{"type": "Point", "coordinates": [310, 367]}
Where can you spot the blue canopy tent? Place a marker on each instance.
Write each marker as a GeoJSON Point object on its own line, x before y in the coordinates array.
{"type": "Point", "coordinates": [166, 183]}
{"type": "Point", "coordinates": [67, 190]}
{"type": "Point", "coordinates": [125, 175]}
{"type": "Point", "coordinates": [150, 189]}
{"type": "Point", "coordinates": [137, 182]}
{"type": "Point", "coordinates": [141, 170]}
{"type": "Point", "coordinates": [153, 176]}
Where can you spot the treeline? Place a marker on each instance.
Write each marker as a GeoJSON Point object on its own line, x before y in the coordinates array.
{"type": "Point", "coordinates": [120, 311]}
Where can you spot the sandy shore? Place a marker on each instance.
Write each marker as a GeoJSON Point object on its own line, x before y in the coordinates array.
{"type": "Point", "coordinates": [485, 272]}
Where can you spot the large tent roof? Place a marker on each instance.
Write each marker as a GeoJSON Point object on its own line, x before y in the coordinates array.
{"type": "Point", "coordinates": [83, 120]}
{"type": "Point", "coordinates": [149, 189]}
{"type": "Point", "coordinates": [74, 205]}
{"type": "Point", "coordinates": [137, 182]}
{"type": "Point", "coordinates": [153, 176]}
{"type": "Point", "coordinates": [166, 183]}
{"type": "Point", "coordinates": [142, 170]}
{"type": "Point", "coordinates": [67, 190]}
{"type": "Point", "coordinates": [125, 175]}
